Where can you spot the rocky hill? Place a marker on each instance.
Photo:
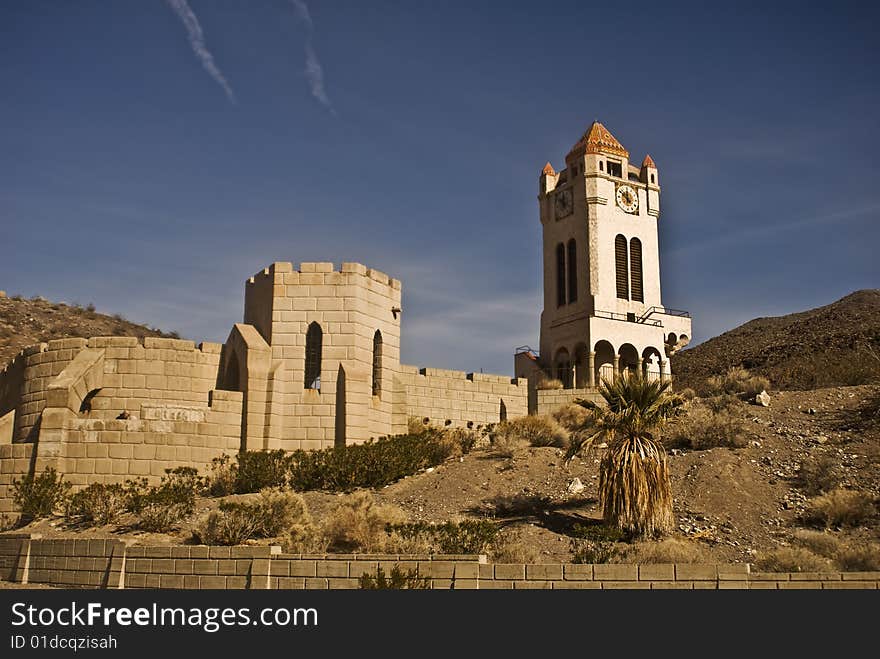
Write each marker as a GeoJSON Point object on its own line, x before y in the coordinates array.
{"type": "Point", "coordinates": [25, 322]}
{"type": "Point", "coordinates": [834, 345]}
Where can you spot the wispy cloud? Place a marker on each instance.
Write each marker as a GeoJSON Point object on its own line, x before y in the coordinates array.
{"type": "Point", "coordinates": [197, 42]}
{"type": "Point", "coordinates": [314, 71]}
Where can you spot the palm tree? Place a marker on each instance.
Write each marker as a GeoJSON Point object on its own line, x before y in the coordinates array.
{"type": "Point", "coordinates": [634, 485]}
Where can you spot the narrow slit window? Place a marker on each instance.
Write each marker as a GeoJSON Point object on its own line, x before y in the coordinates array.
{"type": "Point", "coordinates": [560, 275]}
{"type": "Point", "coordinates": [572, 271]}
{"type": "Point", "coordinates": [314, 341]}
{"type": "Point", "coordinates": [621, 267]}
{"type": "Point", "coordinates": [635, 265]}
{"type": "Point", "coordinates": [377, 363]}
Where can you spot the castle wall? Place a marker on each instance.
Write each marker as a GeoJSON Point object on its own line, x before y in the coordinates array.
{"type": "Point", "coordinates": [441, 395]}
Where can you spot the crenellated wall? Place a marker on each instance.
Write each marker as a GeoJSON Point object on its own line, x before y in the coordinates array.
{"type": "Point", "coordinates": [106, 409]}
{"type": "Point", "coordinates": [461, 398]}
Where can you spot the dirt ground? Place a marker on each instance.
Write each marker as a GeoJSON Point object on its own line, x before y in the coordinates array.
{"type": "Point", "coordinates": [734, 502]}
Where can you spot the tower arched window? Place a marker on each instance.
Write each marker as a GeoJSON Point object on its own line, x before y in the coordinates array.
{"type": "Point", "coordinates": [314, 341]}
{"type": "Point", "coordinates": [572, 271]}
{"type": "Point", "coordinates": [560, 275]}
{"type": "Point", "coordinates": [377, 363]}
{"type": "Point", "coordinates": [621, 267]}
{"type": "Point", "coordinates": [635, 268]}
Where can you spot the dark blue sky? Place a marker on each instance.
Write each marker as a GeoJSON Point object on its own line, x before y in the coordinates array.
{"type": "Point", "coordinates": [409, 136]}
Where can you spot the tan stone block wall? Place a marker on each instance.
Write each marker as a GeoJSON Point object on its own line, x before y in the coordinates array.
{"type": "Point", "coordinates": [164, 437]}
{"type": "Point", "coordinates": [110, 564]}
{"type": "Point", "coordinates": [462, 398]}
{"type": "Point", "coordinates": [15, 461]}
{"type": "Point", "coordinates": [552, 399]}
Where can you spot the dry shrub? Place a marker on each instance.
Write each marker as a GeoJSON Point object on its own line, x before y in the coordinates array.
{"type": "Point", "coordinates": [858, 558]}
{"type": "Point", "coordinates": [818, 542]}
{"type": "Point", "coordinates": [416, 425]}
{"type": "Point", "coordinates": [792, 559]}
{"type": "Point", "coordinates": [162, 517]}
{"type": "Point", "coordinates": [703, 428]}
{"type": "Point", "coordinates": [511, 546]}
{"type": "Point", "coordinates": [571, 416]}
{"type": "Point", "coordinates": [737, 381]}
{"type": "Point", "coordinates": [668, 550]}
{"type": "Point", "coordinates": [549, 383]}
{"type": "Point", "coordinates": [533, 430]}
{"type": "Point", "coordinates": [840, 507]}
{"type": "Point", "coordinates": [506, 445]}
{"type": "Point", "coordinates": [818, 474]}
{"type": "Point", "coordinates": [306, 538]}
{"type": "Point", "coordinates": [359, 523]}
{"type": "Point", "coordinates": [99, 503]}
{"type": "Point", "coordinates": [457, 441]}
{"type": "Point", "coordinates": [273, 513]}
{"type": "Point", "coordinates": [687, 393]}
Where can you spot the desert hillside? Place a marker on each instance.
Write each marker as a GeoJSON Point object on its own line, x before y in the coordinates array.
{"type": "Point", "coordinates": [834, 345]}
{"type": "Point", "coordinates": [25, 322]}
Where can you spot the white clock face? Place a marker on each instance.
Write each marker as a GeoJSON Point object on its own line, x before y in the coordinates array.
{"type": "Point", "coordinates": [627, 198]}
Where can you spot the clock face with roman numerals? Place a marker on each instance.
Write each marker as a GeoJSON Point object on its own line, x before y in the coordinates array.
{"type": "Point", "coordinates": [627, 198]}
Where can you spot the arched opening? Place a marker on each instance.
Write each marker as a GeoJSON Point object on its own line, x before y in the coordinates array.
{"type": "Point", "coordinates": [339, 438]}
{"type": "Point", "coordinates": [560, 275]}
{"type": "Point", "coordinates": [86, 406]}
{"type": "Point", "coordinates": [581, 366]}
{"type": "Point", "coordinates": [628, 359]}
{"type": "Point", "coordinates": [377, 363]}
{"type": "Point", "coordinates": [314, 342]}
{"type": "Point", "coordinates": [232, 373]}
{"type": "Point", "coordinates": [621, 267]}
{"type": "Point", "coordinates": [672, 339]}
{"type": "Point", "coordinates": [562, 367]}
{"type": "Point", "coordinates": [502, 412]}
{"type": "Point", "coordinates": [635, 267]}
{"type": "Point", "coordinates": [572, 271]}
{"type": "Point", "coordinates": [651, 358]}
{"type": "Point", "coordinates": [605, 356]}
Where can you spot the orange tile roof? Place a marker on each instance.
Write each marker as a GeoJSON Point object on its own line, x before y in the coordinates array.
{"type": "Point", "coordinates": [598, 140]}
{"type": "Point", "coordinates": [648, 162]}
{"type": "Point", "coordinates": [548, 169]}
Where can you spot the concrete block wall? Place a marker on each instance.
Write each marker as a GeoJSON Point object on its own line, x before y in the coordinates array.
{"type": "Point", "coordinates": [113, 564]}
{"type": "Point", "coordinates": [15, 462]}
{"type": "Point", "coordinates": [552, 399]}
{"type": "Point", "coordinates": [198, 568]}
{"type": "Point", "coordinates": [462, 398]}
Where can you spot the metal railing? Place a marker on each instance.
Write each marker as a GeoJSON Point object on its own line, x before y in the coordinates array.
{"type": "Point", "coordinates": [663, 311]}
{"type": "Point", "coordinates": [627, 318]}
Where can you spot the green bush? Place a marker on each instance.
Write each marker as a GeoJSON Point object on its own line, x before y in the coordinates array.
{"type": "Point", "coordinates": [592, 551]}
{"type": "Point", "coordinates": [819, 474]}
{"type": "Point", "coordinates": [256, 470]}
{"type": "Point", "coordinates": [99, 503]}
{"type": "Point", "coordinates": [372, 464]}
{"type": "Point", "coordinates": [39, 496]}
{"type": "Point", "coordinates": [162, 507]}
{"type": "Point", "coordinates": [397, 580]}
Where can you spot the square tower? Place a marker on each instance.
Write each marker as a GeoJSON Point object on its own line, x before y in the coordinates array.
{"type": "Point", "coordinates": [316, 356]}
{"type": "Point", "coordinates": [602, 304]}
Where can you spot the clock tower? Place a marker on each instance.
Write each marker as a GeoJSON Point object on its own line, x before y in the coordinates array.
{"type": "Point", "coordinates": [603, 312]}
